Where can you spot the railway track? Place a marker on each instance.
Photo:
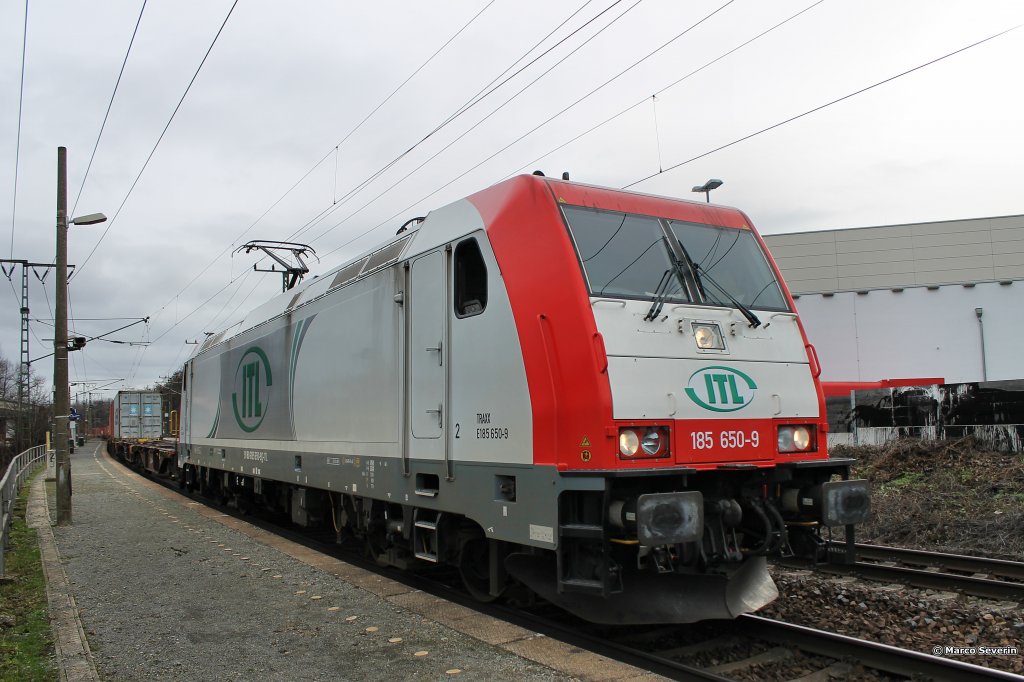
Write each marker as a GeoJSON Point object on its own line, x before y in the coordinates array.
{"type": "Point", "coordinates": [989, 578]}
{"type": "Point", "coordinates": [749, 647]}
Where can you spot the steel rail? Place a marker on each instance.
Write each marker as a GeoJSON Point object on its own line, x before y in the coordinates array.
{"type": "Point", "coordinates": [914, 577]}
{"type": "Point", "coordinates": [988, 588]}
{"type": "Point", "coordinates": [872, 654]}
{"type": "Point", "coordinates": [1013, 570]}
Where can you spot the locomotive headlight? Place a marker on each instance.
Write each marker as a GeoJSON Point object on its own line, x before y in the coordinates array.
{"type": "Point", "coordinates": [801, 438]}
{"type": "Point", "coordinates": [708, 336]}
{"type": "Point", "coordinates": [651, 442]}
{"type": "Point", "coordinates": [796, 438]}
{"type": "Point", "coordinates": [645, 442]}
{"type": "Point", "coordinates": [629, 442]}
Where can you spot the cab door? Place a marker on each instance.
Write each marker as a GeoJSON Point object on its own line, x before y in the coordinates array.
{"type": "Point", "coordinates": [428, 356]}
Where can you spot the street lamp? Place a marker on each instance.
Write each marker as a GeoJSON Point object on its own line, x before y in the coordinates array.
{"type": "Point", "coordinates": [90, 219]}
{"type": "Point", "coordinates": [62, 399]}
{"type": "Point", "coordinates": [707, 187]}
{"type": "Point", "coordinates": [981, 328]}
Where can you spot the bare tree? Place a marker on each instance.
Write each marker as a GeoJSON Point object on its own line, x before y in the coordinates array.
{"type": "Point", "coordinates": [38, 409]}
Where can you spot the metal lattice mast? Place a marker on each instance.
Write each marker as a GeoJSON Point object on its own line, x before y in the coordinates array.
{"type": "Point", "coordinates": [24, 377]}
{"type": "Point", "coordinates": [23, 367]}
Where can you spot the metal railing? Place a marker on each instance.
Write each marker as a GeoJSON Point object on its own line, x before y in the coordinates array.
{"type": "Point", "coordinates": [20, 469]}
{"type": "Point", "coordinates": [1002, 437]}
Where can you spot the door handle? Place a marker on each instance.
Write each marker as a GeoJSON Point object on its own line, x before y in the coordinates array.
{"type": "Point", "coordinates": [440, 355]}
{"type": "Point", "coordinates": [440, 421]}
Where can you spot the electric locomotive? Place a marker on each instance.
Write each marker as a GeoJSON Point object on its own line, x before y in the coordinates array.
{"type": "Point", "coordinates": [597, 396]}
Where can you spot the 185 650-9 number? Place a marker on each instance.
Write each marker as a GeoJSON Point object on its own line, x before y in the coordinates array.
{"type": "Point", "coordinates": [706, 440]}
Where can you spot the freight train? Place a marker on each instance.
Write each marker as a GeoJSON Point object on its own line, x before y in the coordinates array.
{"type": "Point", "coordinates": [602, 397]}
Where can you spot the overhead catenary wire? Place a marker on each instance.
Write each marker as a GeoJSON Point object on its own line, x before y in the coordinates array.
{"type": "Point", "coordinates": [85, 319]}
{"type": "Point", "coordinates": [136, 320]}
{"type": "Point", "coordinates": [517, 140]}
{"type": "Point", "coordinates": [17, 299]}
{"type": "Point", "coordinates": [196, 309]}
{"type": "Point", "coordinates": [482, 120]}
{"type": "Point", "coordinates": [174, 363]}
{"type": "Point", "coordinates": [17, 144]}
{"type": "Point", "coordinates": [479, 96]}
{"type": "Point", "coordinates": [102, 337]}
{"type": "Point", "coordinates": [822, 106]}
{"type": "Point", "coordinates": [483, 93]}
{"type": "Point", "coordinates": [664, 89]}
{"type": "Point", "coordinates": [486, 90]}
{"type": "Point", "coordinates": [414, 204]}
{"type": "Point", "coordinates": [85, 372]}
{"type": "Point", "coordinates": [213, 321]}
{"type": "Point", "coordinates": [504, 77]}
{"type": "Point", "coordinates": [142, 354]}
{"type": "Point", "coordinates": [137, 363]}
{"type": "Point", "coordinates": [234, 310]}
{"type": "Point", "coordinates": [332, 150]}
{"type": "Point", "coordinates": [657, 134]}
{"type": "Point", "coordinates": [110, 104]}
{"type": "Point", "coordinates": [102, 366]}
{"type": "Point", "coordinates": [413, 74]}
{"type": "Point", "coordinates": [174, 113]}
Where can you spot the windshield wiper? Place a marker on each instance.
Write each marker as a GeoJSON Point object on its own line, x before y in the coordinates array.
{"type": "Point", "coordinates": [755, 322]}
{"type": "Point", "coordinates": [661, 293]}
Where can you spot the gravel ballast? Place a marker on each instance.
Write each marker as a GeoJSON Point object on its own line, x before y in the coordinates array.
{"type": "Point", "coordinates": [907, 618]}
{"type": "Point", "coordinates": [166, 593]}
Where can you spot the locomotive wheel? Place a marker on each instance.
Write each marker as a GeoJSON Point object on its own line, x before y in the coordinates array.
{"type": "Point", "coordinates": [375, 549]}
{"type": "Point", "coordinates": [475, 569]}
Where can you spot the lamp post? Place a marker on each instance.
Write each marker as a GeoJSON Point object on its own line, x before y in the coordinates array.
{"type": "Point", "coordinates": [707, 187]}
{"type": "Point", "coordinates": [61, 399]}
{"type": "Point", "coordinates": [981, 328]}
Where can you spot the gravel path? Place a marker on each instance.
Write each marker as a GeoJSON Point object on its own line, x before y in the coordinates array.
{"type": "Point", "coordinates": [166, 593]}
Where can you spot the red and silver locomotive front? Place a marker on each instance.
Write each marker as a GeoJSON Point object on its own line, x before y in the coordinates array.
{"type": "Point", "coordinates": [714, 456]}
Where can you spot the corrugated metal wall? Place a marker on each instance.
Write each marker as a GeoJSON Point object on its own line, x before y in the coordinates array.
{"type": "Point", "coordinates": [921, 254]}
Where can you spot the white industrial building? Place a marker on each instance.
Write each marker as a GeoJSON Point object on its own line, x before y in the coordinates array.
{"type": "Point", "coordinates": [941, 299]}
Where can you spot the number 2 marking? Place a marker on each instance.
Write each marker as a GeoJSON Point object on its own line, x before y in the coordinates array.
{"type": "Point", "coordinates": [457, 428]}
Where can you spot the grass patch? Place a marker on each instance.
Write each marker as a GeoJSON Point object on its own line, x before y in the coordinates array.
{"type": "Point", "coordinates": [26, 640]}
{"type": "Point", "coordinates": [954, 496]}
{"type": "Point", "coordinates": [904, 480]}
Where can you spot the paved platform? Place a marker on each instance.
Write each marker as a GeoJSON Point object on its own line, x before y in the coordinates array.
{"type": "Point", "coordinates": [159, 587]}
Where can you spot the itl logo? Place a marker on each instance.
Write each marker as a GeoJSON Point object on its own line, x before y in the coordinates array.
{"type": "Point", "coordinates": [721, 389]}
{"type": "Point", "coordinates": [253, 380]}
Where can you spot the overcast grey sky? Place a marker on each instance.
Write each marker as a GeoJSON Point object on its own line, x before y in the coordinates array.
{"type": "Point", "coordinates": [285, 82]}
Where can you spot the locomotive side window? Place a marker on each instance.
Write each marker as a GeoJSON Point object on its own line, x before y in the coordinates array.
{"type": "Point", "coordinates": [470, 279]}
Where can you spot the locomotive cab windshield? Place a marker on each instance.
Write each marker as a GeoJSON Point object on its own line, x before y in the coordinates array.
{"type": "Point", "coordinates": [632, 256]}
